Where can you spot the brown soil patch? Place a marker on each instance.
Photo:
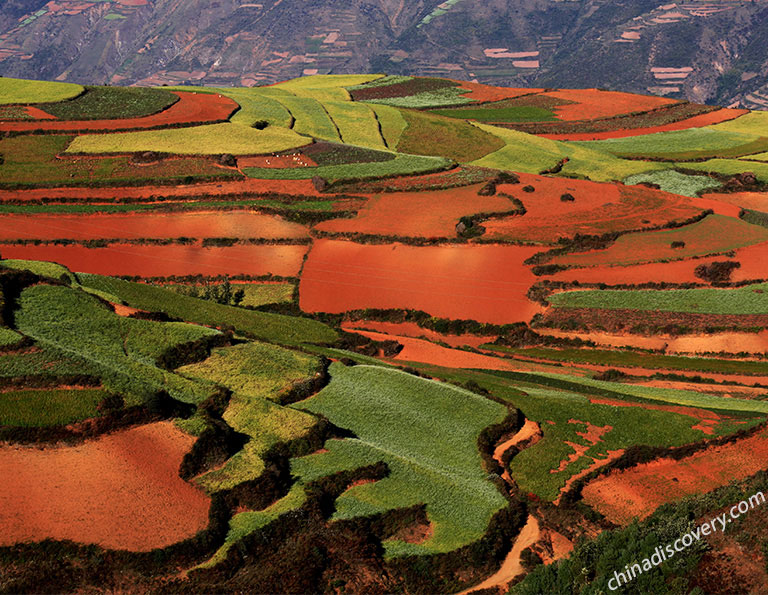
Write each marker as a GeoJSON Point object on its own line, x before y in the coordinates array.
{"type": "Point", "coordinates": [166, 261]}
{"type": "Point", "coordinates": [426, 214]}
{"type": "Point", "coordinates": [121, 491]}
{"type": "Point", "coordinates": [483, 283]}
{"type": "Point", "coordinates": [757, 201]}
{"type": "Point", "coordinates": [414, 533]}
{"type": "Point", "coordinates": [191, 108]}
{"type": "Point", "coordinates": [708, 119]}
{"type": "Point", "coordinates": [122, 310]}
{"type": "Point", "coordinates": [531, 431]}
{"type": "Point", "coordinates": [640, 490]}
{"type": "Point", "coordinates": [411, 329]}
{"type": "Point", "coordinates": [202, 224]}
{"type": "Point", "coordinates": [612, 455]}
{"type": "Point", "coordinates": [38, 114]}
{"type": "Point", "coordinates": [597, 209]}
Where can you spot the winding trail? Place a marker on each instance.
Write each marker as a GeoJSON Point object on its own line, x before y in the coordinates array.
{"type": "Point", "coordinates": [530, 534]}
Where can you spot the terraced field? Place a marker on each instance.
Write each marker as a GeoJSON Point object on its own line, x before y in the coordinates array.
{"type": "Point", "coordinates": [370, 334]}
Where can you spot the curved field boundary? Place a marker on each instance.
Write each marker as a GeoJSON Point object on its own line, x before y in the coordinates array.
{"type": "Point", "coordinates": [20, 91]}
{"type": "Point", "coordinates": [708, 119]}
{"type": "Point", "coordinates": [191, 109]}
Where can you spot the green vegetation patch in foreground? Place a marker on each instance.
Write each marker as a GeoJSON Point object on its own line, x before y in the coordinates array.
{"type": "Point", "coordinates": [730, 167]}
{"type": "Point", "coordinates": [401, 165]}
{"type": "Point", "coordinates": [211, 139]}
{"type": "Point", "coordinates": [426, 432]}
{"type": "Point", "coordinates": [257, 374]}
{"type": "Point", "coordinates": [289, 330]}
{"type": "Point", "coordinates": [103, 103]}
{"type": "Point", "coordinates": [48, 407]}
{"type": "Point", "coordinates": [124, 351]}
{"type": "Point", "coordinates": [21, 91]}
{"type": "Point", "coordinates": [752, 299]}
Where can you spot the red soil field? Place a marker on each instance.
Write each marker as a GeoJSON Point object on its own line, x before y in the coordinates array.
{"type": "Point", "coordinates": [418, 214]}
{"type": "Point", "coordinates": [752, 259]}
{"type": "Point", "coordinates": [598, 208]}
{"type": "Point", "coordinates": [245, 186]}
{"type": "Point", "coordinates": [121, 491]}
{"type": "Point", "coordinates": [483, 283]}
{"type": "Point", "coordinates": [484, 93]}
{"type": "Point", "coordinates": [205, 224]}
{"type": "Point", "coordinates": [757, 201]}
{"type": "Point", "coordinates": [708, 119]}
{"type": "Point", "coordinates": [38, 114]}
{"type": "Point", "coordinates": [166, 261]}
{"type": "Point", "coordinates": [411, 329]}
{"type": "Point", "coordinates": [590, 104]}
{"type": "Point", "coordinates": [191, 108]}
{"type": "Point", "coordinates": [640, 490]}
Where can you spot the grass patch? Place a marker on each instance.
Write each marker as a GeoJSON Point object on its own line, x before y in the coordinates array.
{"type": "Point", "coordinates": [48, 407]}
{"type": "Point", "coordinates": [125, 351]}
{"type": "Point", "coordinates": [730, 167]}
{"type": "Point", "coordinates": [104, 103]}
{"type": "Point", "coordinates": [356, 122]}
{"type": "Point", "coordinates": [257, 374]}
{"type": "Point", "coordinates": [211, 139]}
{"type": "Point", "coordinates": [22, 91]}
{"type": "Point", "coordinates": [427, 434]}
{"type": "Point", "coordinates": [260, 325]}
{"type": "Point", "coordinates": [392, 123]}
{"type": "Point", "coordinates": [752, 299]}
{"type": "Point", "coordinates": [311, 118]}
{"type": "Point", "coordinates": [428, 134]}
{"type": "Point", "coordinates": [401, 165]}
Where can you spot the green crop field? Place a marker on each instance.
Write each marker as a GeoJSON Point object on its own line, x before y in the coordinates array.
{"type": "Point", "coordinates": [676, 182]}
{"type": "Point", "coordinates": [751, 299]}
{"type": "Point", "coordinates": [102, 103]}
{"type": "Point", "coordinates": [730, 167]}
{"type": "Point", "coordinates": [48, 407]}
{"type": "Point", "coordinates": [752, 123]}
{"type": "Point", "coordinates": [401, 165]}
{"type": "Point", "coordinates": [683, 145]}
{"type": "Point", "coordinates": [211, 139]}
{"type": "Point", "coordinates": [356, 122]}
{"type": "Point", "coordinates": [311, 117]}
{"type": "Point", "coordinates": [261, 325]}
{"type": "Point", "coordinates": [426, 432]}
{"type": "Point", "coordinates": [446, 96]}
{"type": "Point", "coordinates": [256, 294]}
{"type": "Point", "coordinates": [21, 91]}
{"type": "Point", "coordinates": [33, 161]}
{"type": "Point", "coordinates": [712, 235]}
{"type": "Point", "coordinates": [257, 374]}
{"type": "Point", "coordinates": [632, 359]}
{"type": "Point", "coordinates": [392, 123]}
{"type": "Point", "coordinates": [125, 351]}
{"type": "Point", "coordinates": [327, 87]}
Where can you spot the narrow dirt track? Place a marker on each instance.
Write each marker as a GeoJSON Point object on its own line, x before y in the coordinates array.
{"type": "Point", "coordinates": [512, 567]}
{"type": "Point", "coordinates": [191, 108]}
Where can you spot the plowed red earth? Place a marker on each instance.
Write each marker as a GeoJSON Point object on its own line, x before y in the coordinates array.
{"type": "Point", "coordinates": [411, 329]}
{"type": "Point", "coordinates": [211, 224]}
{"type": "Point", "coordinates": [166, 261]}
{"type": "Point", "coordinates": [122, 491]}
{"type": "Point", "coordinates": [191, 108]}
{"type": "Point", "coordinates": [590, 104]}
{"type": "Point", "coordinates": [708, 119]}
{"type": "Point", "coordinates": [747, 200]}
{"type": "Point", "coordinates": [197, 191]}
{"type": "Point", "coordinates": [483, 283]}
{"type": "Point", "coordinates": [752, 261]}
{"type": "Point", "coordinates": [640, 490]}
{"type": "Point", "coordinates": [418, 214]}
{"type": "Point", "coordinates": [597, 209]}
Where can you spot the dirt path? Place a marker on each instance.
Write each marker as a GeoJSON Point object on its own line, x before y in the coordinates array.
{"type": "Point", "coordinates": [512, 566]}
{"type": "Point", "coordinates": [531, 429]}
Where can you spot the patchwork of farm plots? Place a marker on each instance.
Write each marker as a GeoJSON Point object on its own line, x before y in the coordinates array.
{"type": "Point", "coordinates": [318, 313]}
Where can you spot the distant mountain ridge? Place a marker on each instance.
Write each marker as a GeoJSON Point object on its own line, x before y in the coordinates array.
{"type": "Point", "coordinates": [704, 51]}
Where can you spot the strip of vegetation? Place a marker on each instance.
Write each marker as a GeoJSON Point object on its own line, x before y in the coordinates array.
{"type": "Point", "coordinates": [105, 103]}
